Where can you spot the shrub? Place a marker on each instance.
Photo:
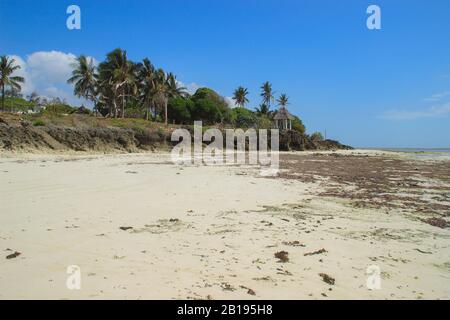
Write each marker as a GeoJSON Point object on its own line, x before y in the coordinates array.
{"type": "Point", "coordinates": [179, 110]}
{"type": "Point", "coordinates": [298, 125]}
{"type": "Point", "coordinates": [38, 123]}
{"type": "Point", "coordinates": [317, 137]}
{"type": "Point", "coordinates": [244, 118]}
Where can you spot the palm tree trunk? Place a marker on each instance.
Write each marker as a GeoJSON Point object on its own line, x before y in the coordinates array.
{"type": "Point", "coordinates": [115, 108]}
{"type": "Point", "coordinates": [123, 106]}
{"type": "Point", "coordinates": [165, 111]}
{"type": "Point", "coordinates": [3, 98]}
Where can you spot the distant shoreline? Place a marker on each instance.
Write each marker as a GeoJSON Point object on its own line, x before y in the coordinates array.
{"type": "Point", "coordinates": [410, 150]}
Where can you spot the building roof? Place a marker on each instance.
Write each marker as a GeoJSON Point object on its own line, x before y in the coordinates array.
{"type": "Point", "coordinates": [283, 114]}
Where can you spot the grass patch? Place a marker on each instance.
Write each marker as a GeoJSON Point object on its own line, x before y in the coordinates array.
{"type": "Point", "coordinates": [38, 123]}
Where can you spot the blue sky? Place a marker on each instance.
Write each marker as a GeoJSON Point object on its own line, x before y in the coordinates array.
{"type": "Point", "coordinates": [374, 88]}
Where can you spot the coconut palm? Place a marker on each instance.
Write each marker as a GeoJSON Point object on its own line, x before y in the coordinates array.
{"type": "Point", "coordinates": [147, 78]}
{"type": "Point", "coordinates": [85, 79]}
{"type": "Point", "coordinates": [283, 100]}
{"type": "Point", "coordinates": [240, 96]}
{"type": "Point", "coordinates": [263, 109]}
{"type": "Point", "coordinates": [166, 87]}
{"type": "Point", "coordinates": [117, 79]}
{"type": "Point", "coordinates": [160, 93]}
{"type": "Point", "coordinates": [267, 94]}
{"type": "Point", "coordinates": [175, 90]}
{"type": "Point", "coordinates": [7, 68]}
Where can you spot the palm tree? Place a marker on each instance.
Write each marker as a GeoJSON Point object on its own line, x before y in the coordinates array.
{"type": "Point", "coordinates": [267, 94]}
{"type": "Point", "coordinates": [283, 100]}
{"type": "Point", "coordinates": [7, 68]}
{"type": "Point", "coordinates": [85, 79]}
{"type": "Point", "coordinates": [147, 78]}
{"type": "Point", "coordinates": [240, 96]}
{"type": "Point", "coordinates": [166, 87]}
{"type": "Point", "coordinates": [117, 78]}
{"type": "Point", "coordinates": [263, 109]}
{"type": "Point", "coordinates": [175, 90]}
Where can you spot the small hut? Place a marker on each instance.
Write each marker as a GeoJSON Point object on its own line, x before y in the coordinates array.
{"type": "Point", "coordinates": [283, 119]}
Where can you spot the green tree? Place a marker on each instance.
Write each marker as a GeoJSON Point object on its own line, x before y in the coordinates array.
{"type": "Point", "coordinates": [84, 78]}
{"type": "Point", "coordinates": [263, 109]}
{"type": "Point", "coordinates": [267, 95]}
{"type": "Point", "coordinates": [180, 109]}
{"type": "Point", "coordinates": [244, 118]}
{"type": "Point", "coordinates": [210, 107]}
{"type": "Point", "coordinates": [316, 137]}
{"type": "Point", "coordinates": [7, 68]}
{"type": "Point", "coordinates": [147, 79]}
{"type": "Point", "coordinates": [240, 96]}
{"type": "Point", "coordinates": [117, 80]}
{"type": "Point", "coordinates": [283, 100]}
{"type": "Point", "coordinates": [298, 125]}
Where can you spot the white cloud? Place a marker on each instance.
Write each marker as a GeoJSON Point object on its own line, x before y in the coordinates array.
{"type": "Point", "coordinates": [46, 72]}
{"type": "Point", "coordinates": [191, 88]}
{"type": "Point", "coordinates": [432, 112]}
{"type": "Point", "coordinates": [231, 103]}
{"type": "Point", "coordinates": [52, 66]}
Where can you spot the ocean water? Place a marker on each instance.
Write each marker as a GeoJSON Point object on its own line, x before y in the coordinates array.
{"type": "Point", "coordinates": [427, 153]}
{"type": "Point", "coordinates": [418, 150]}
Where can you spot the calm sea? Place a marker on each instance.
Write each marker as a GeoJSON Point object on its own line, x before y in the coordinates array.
{"type": "Point", "coordinates": [432, 153]}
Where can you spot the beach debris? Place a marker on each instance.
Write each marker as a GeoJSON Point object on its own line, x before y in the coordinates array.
{"type": "Point", "coordinates": [327, 279]}
{"type": "Point", "coordinates": [437, 222]}
{"type": "Point", "coordinates": [282, 256]}
{"type": "Point", "coordinates": [73, 226]}
{"type": "Point", "coordinates": [125, 228]}
{"type": "Point", "coordinates": [227, 287]}
{"type": "Point", "coordinates": [293, 243]}
{"type": "Point", "coordinates": [174, 220]}
{"type": "Point", "coordinates": [315, 252]}
{"type": "Point", "coordinates": [424, 252]}
{"type": "Point", "coordinates": [131, 172]}
{"type": "Point", "coordinates": [249, 291]}
{"type": "Point", "coordinates": [266, 278]}
{"type": "Point", "coordinates": [283, 272]}
{"type": "Point", "coordinates": [13, 255]}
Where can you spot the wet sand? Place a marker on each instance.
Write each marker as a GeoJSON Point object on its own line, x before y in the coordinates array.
{"type": "Point", "coordinates": [140, 227]}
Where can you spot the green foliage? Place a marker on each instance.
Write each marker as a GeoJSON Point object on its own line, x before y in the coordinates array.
{"type": "Point", "coordinates": [298, 125]}
{"type": "Point", "coordinates": [134, 110]}
{"type": "Point", "coordinates": [264, 122]}
{"type": "Point", "coordinates": [59, 109]}
{"type": "Point", "coordinates": [180, 110]}
{"type": "Point", "coordinates": [209, 107]}
{"type": "Point", "coordinates": [38, 123]}
{"type": "Point", "coordinates": [244, 118]}
{"type": "Point", "coordinates": [17, 104]}
{"type": "Point", "coordinates": [316, 137]}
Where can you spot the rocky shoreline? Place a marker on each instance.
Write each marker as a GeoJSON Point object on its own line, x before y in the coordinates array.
{"type": "Point", "coordinates": [21, 135]}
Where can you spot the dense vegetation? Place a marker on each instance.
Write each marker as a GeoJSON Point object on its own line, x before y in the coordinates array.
{"type": "Point", "coordinates": [121, 88]}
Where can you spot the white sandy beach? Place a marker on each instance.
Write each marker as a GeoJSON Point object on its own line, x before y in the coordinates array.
{"type": "Point", "coordinates": [200, 233]}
